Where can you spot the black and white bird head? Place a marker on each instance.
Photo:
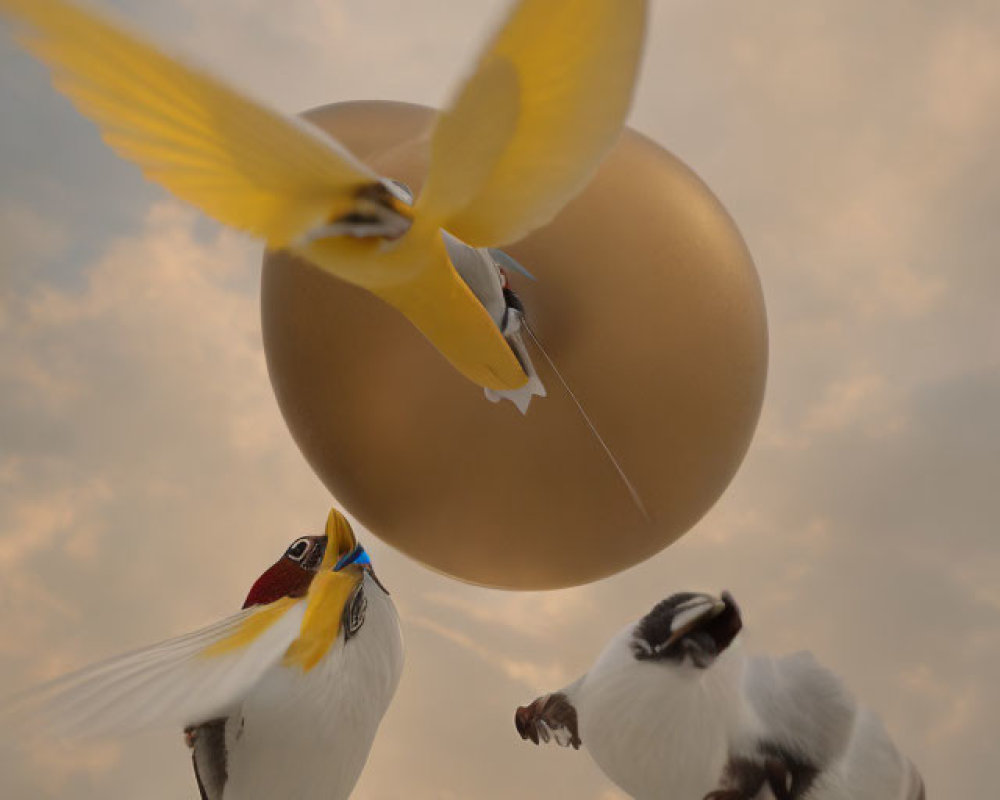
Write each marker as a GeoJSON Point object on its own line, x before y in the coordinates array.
{"type": "Point", "coordinates": [687, 626]}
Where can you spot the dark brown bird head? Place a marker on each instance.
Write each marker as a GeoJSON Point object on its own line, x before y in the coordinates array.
{"type": "Point", "coordinates": [687, 625]}
{"type": "Point", "coordinates": [291, 574]}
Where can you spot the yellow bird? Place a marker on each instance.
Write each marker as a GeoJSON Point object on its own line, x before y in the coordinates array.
{"type": "Point", "coordinates": [547, 98]}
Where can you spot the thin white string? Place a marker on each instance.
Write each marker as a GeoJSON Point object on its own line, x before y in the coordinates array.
{"type": "Point", "coordinates": [593, 428]}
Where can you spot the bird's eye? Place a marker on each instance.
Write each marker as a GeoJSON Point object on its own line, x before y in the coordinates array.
{"type": "Point", "coordinates": [298, 550]}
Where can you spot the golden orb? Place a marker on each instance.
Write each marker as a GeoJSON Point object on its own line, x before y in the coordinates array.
{"type": "Point", "coordinates": [647, 303]}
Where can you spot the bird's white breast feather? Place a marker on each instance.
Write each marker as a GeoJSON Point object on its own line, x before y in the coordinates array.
{"type": "Point", "coordinates": [658, 729]}
{"type": "Point", "coordinates": [306, 735]}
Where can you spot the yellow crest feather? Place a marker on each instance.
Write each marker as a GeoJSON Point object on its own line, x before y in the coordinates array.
{"type": "Point", "coordinates": [327, 596]}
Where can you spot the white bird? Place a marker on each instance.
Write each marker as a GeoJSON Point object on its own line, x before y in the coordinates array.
{"type": "Point", "coordinates": [673, 708]}
{"type": "Point", "coordinates": [282, 700]}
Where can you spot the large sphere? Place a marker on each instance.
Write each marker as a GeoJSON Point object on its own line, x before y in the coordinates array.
{"type": "Point", "coordinates": [647, 302]}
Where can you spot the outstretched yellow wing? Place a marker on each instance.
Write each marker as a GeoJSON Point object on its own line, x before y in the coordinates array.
{"type": "Point", "coordinates": [525, 133]}
{"type": "Point", "coordinates": [247, 166]}
{"type": "Point", "coordinates": [546, 101]}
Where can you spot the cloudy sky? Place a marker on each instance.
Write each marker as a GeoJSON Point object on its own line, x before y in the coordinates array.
{"type": "Point", "coordinates": [146, 476]}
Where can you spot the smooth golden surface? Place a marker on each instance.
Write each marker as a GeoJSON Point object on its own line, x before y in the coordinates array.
{"type": "Point", "coordinates": [648, 302]}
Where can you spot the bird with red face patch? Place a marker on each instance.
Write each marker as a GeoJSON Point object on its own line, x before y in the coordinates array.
{"type": "Point", "coordinates": [300, 678]}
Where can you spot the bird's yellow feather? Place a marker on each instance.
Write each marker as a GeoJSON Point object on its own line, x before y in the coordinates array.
{"type": "Point", "coordinates": [241, 163]}
{"type": "Point", "coordinates": [547, 99]}
{"type": "Point", "coordinates": [575, 63]}
{"type": "Point", "coordinates": [340, 539]}
{"type": "Point", "coordinates": [469, 139]}
{"type": "Point", "coordinates": [251, 628]}
{"type": "Point", "coordinates": [415, 276]}
{"type": "Point", "coordinates": [466, 335]}
{"type": "Point", "coordinates": [328, 594]}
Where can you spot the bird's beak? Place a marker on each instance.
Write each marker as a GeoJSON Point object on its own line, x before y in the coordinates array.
{"type": "Point", "coordinates": [693, 613]}
{"type": "Point", "coordinates": [509, 262]}
{"type": "Point", "coordinates": [340, 542]}
{"type": "Point", "coordinates": [329, 593]}
{"type": "Point", "coordinates": [343, 549]}
{"type": "Point", "coordinates": [357, 556]}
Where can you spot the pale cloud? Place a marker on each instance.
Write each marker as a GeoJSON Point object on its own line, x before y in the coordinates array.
{"type": "Point", "coordinates": [953, 704]}
{"type": "Point", "coordinates": [533, 676]}
{"type": "Point", "coordinates": [27, 607]}
{"type": "Point", "coordinates": [964, 79]}
{"type": "Point", "coordinates": [146, 475]}
{"type": "Point", "coordinates": [61, 764]}
{"type": "Point", "coordinates": [170, 299]}
{"type": "Point", "coordinates": [29, 237]}
{"type": "Point", "coordinates": [877, 227]}
{"type": "Point", "coordinates": [864, 401]}
{"type": "Point", "coordinates": [32, 524]}
{"type": "Point", "coordinates": [534, 614]}
{"type": "Point", "coordinates": [325, 51]}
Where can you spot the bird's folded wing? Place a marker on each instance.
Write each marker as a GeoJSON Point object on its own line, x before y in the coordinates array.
{"type": "Point", "coordinates": [802, 705]}
{"type": "Point", "coordinates": [247, 166]}
{"type": "Point", "coordinates": [178, 682]}
{"type": "Point", "coordinates": [527, 130]}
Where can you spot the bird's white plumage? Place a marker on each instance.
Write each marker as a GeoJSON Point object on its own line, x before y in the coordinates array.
{"type": "Point", "coordinates": [291, 733]}
{"type": "Point", "coordinates": [665, 729]}
{"type": "Point", "coordinates": [872, 768]}
{"type": "Point", "coordinates": [795, 702]}
{"type": "Point", "coordinates": [654, 730]}
{"type": "Point", "coordinates": [479, 269]}
{"type": "Point", "coordinates": [171, 683]}
{"type": "Point", "coordinates": [306, 735]}
{"type": "Point", "coordinates": [800, 704]}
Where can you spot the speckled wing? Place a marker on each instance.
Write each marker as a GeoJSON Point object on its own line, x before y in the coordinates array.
{"type": "Point", "coordinates": [176, 683]}
{"type": "Point", "coordinates": [241, 163]}
{"type": "Point", "coordinates": [546, 101]}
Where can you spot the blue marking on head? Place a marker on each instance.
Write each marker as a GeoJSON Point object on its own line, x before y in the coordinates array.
{"type": "Point", "coordinates": [505, 260]}
{"type": "Point", "coordinates": [356, 556]}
